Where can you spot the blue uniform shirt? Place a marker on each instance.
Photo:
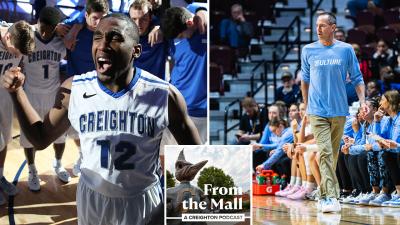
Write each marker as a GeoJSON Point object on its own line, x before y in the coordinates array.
{"type": "Point", "coordinates": [361, 139]}
{"type": "Point", "coordinates": [325, 68]}
{"type": "Point", "coordinates": [80, 60]}
{"type": "Point", "coordinates": [189, 74]}
{"type": "Point", "coordinates": [153, 58]}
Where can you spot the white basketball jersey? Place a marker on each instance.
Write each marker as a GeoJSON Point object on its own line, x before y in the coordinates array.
{"type": "Point", "coordinates": [7, 61]}
{"type": "Point", "coordinates": [120, 133]}
{"type": "Point", "coordinates": [42, 67]}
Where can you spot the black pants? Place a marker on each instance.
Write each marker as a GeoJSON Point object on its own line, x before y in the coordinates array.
{"type": "Point", "coordinates": [259, 157]}
{"type": "Point", "coordinates": [283, 166]}
{"type": "Point", "coordinates": [342, 167]}
{"type": "Point", "coordinates": [358, 169]}
{"type": "Point", "coordinates": [392, 163]}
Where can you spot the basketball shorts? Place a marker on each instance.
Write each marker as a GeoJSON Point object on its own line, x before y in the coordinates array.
{"type": "Point", "coordinates": [42, 103]}
{"type": "Point", "coordinates": [72, 133]}
{"type": "Point", "coordinates": [6, 116]}
{"type": "Point", "coordinates": [95, 208]}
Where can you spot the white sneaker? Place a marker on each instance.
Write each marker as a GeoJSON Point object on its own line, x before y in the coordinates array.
{"type": "Point", "coordinates": [62, 174]}
{"type": "Point", "coordinates": [357, 199]}
{"type": "Point", "coordinates": [33, 180]}
{"type": "Point", "coordinates": [349, 199]}
{"type": "Point", "coordinates": [2, 199]}
{"type": "Point", "coordinates": [76, 170]}
{"type": "Point", "coordinates": [320, 203]}
{"type": "Point", "coordinates": [331, 205]}
{"type": "Point", "coordinates": [8, 187]}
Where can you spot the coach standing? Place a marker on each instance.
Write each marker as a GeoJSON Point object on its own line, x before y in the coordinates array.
{"type": "Point", "coordinates": [324, 65]}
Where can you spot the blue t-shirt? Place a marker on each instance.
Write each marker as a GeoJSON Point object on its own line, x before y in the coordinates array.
{"type": "Point", "coordinates": [361, 139]}
{"type": "Point", "coordinates": [189, 74]}
{"type": "Point", "coordinates": [389, 128]}
{"type": "Point", "coordinates": [286, 137]}
{"type": "Point", "coordinates": [269, 140]}
{"type": "Point", "coordinates": [325, 68]}
{"type": "Point", "coordinates": [80, 60]}
{"type": "Point", "coordinates": [153, 58]}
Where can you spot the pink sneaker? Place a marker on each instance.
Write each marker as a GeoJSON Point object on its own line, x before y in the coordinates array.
{"type": "Point", "coordinates": [299, 195]}
{"type": "Point", "coordinates": [287, 188]}
{"type": "Point", "coordinates": [291, 191]}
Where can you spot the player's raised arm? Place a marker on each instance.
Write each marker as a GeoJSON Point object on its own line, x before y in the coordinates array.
{"type": "Point", "coordinates": [39, 133]}
{"type": "Point", "coordinates": [180, 124]}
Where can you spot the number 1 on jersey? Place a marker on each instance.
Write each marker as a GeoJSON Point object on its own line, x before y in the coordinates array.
{"type": "Point", "coordinates": [127, 149]}
{"type": "Point", "coordinates": [46, 71]}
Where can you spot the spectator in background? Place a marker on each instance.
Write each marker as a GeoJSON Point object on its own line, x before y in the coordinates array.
{"type": "Point", "coordinates": [365, 64]}
{"type": "Point", "coordinates": [384, 56]}
{"type": "Point", "coordinates": [297, 74]}
{"type": "Point", "coordinates": [373, 89]}
{"type": "Point", "coordinates": [358, 5]}
{"type": "Point", "coordinates": [236, 31]}
{"type": "Point", "coordinates": [289, 92]}
{"type": "Point", "coordinates": [251, 123]}
{"type": "Point", "coordinates": [279, 127]}
{"type": "Point", "coordinates": [388, 79]}
{"type": "Point", "coordinates": [340, 35]}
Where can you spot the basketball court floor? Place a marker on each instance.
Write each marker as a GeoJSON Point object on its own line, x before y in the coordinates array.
{"type": "Point", "coordinates": [54, 203]}
{"type": "Point", "coordinates": [278, 210]}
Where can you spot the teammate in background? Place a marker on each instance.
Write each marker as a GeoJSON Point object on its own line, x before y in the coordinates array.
{"type": "Point", "coordinates": [120, 113]}
{"type": "Point", "coordinates": [189, 52]}
{"type": "Point", "coordinates": [153, 56]}
{"type": "Point", "coordinates": [324, 65]}
{"type": "Point", "coordinates": [43, 80]}
{"type": "Point", "coordinates": [16, 40]}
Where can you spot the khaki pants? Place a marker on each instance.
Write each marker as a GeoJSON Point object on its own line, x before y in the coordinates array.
{"type": "Point", "coordinates": [328, 133]}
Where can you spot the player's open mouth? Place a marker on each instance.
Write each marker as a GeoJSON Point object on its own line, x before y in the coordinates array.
{"type": "Point", "coordinates": [103, 64]}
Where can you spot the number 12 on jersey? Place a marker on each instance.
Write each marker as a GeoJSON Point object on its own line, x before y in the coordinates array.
{"type": "Point", "coordinates": [126, 149]}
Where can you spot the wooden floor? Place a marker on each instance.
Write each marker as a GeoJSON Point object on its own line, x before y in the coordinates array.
{"type": "Point", "coordinates": [278, 210]}
{"type": "Point", "coordinates": [54, 203]}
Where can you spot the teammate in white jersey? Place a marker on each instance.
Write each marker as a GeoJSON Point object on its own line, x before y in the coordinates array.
{"type": "Point", "coordinates": [42, 69]}
{"type": "Point", "coordinates": [16, 39]}
{"type": "Point", "coordinates": [120, 113]}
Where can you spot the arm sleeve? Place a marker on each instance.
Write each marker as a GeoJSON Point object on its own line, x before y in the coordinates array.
{"type": "Point", "coordinates": [287, 137]}
{"type": "Point", "coordinates": [354, 69]}
{"type": "Point", "coordinates": [265, 137]}
{"type": "Point", "coordinates": [78, 19]}
{"type": "Point", "coordinates": [305, 66]}
{"type": "Point", "coordinates": [382, 128]}
{"type": "Point", "coordinates": [356, 149]}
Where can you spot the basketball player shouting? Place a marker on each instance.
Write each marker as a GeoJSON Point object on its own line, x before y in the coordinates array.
{"type": "Point", "coordinates": [120, 113]}
{"type": "Point", "coordinates": [324, 65]}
